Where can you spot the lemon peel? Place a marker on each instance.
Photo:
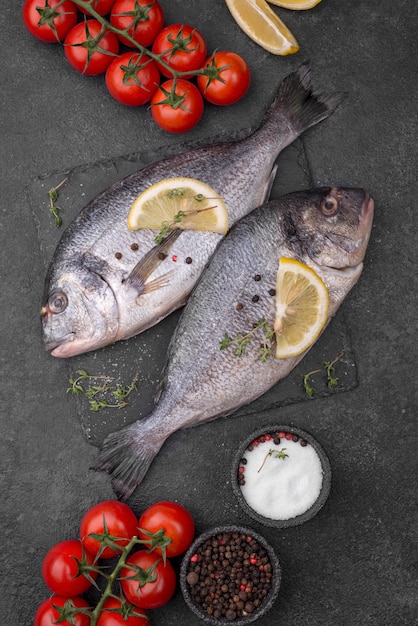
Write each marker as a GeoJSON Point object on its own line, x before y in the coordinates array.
{"type": "Point", "coordinates": [295, 5]}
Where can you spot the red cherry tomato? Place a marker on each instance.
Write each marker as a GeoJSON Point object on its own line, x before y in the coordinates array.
{"type": "Point", "coordinates": [132, 78]}
{"type": "Point", "coordinates": [61, 570]}
{"type": "Point", "coordinates": [155, 582]}
{"type": "Point", "coordinates": [171, 526]}
{"type": "Point", "coordinates": [177, 106]}
{"type": "Point", "coordinates": [47, 21]}
{"type": "Point", "coordinates": [228, 78]}
{"type": "Point", "coordinates": [114, 613]}
{"type": "Point", "coordinates": [182, 47]}
{"type": "Point", "coordinates": [108, 518]}
{"type": "Point", "coordinates": [144, 19]}
{"type": "Point", "coordinates": [102, 7]}
{"type": "Point", "coordinates": [89, 48]}
{"type": "Point", "coordinates": [66, 614]}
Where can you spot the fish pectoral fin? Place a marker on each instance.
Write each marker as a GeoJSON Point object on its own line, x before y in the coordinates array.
{"type": "Point", "coordinates": [157, 283]}
{"type": "Point", "coordinates": [149, 262]}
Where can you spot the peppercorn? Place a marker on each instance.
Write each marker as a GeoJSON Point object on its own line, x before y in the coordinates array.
{"type": "Point", "coordinates": [189, 260]}
{"type": "Point", "coordinates": [134, 246]}
{"type": "Point", "coordinates": [118, 255]}
{"type": "Point", "coordinates": [192, 578]}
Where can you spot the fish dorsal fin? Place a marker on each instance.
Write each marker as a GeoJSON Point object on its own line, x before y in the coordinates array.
{"type": "Point", "coordinates": [148, 264]}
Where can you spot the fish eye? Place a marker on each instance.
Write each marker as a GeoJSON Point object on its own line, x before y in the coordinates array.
{"type": "Point", "coordinates": [57, 302]}
{"type": "Point", "coordinates": [329, 206]}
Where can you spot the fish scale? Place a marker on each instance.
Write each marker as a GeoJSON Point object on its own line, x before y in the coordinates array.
{"type": "Point", "coordinates": [201, 381]}
{"type": "Point", "coordinates": [89, 300]}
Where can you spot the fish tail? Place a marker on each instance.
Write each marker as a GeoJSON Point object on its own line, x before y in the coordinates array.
{"type": "Point", "coordinates": [127, 455]}
{"type": "Point", "coordinates": [302, 107]}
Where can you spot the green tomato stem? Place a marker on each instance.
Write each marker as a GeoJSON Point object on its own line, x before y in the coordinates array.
{"type": "Point", "coordinates": [87, 5]}
{"type": "Point", "coordinates": [111, 579]}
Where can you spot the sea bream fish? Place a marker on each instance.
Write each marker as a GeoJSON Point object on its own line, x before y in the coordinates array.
{"type": "Point", "coordinates": [106, 283]}
{"type": "Point", "coordinates": [327, 229]}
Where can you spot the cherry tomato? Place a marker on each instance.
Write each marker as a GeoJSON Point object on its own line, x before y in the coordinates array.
{"type": "Point", "coordinates": [171, 525]}
{"type": "Point", "coordinates": [66, 613]}
{"type": "Point", "coordinates": [228, 78]}
{"type": "Point", "coordinates": [47, 21]}
{"type": "Point", "coordinates": [114, 613]}
{"type": "Point", "coordinates": [177, 106]}
{"type": "Point", "coordinates": [89, 48]}
{"type": "Point", "coordinates": [143, 18]}
{"type": "Point", "coordinates": [61, 571]}
{"type": "Point", "coordinates": [107, 518]}
{"type": "Point", "coordinates": [155, 582]}
{"type": "Point", "coordinates": [132, 78]}
{"type": "Point", "coordinates": [182, 47]}
{"type": "Point", "coordinates": [102, 7]}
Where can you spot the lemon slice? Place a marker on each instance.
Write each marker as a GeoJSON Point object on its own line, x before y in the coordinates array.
{"type": "Point", "coordinates": [184, 203]}
{"type": "Point", "coordinates": [263, 25]}
{"type": "Point", "coordinates": [295, 5]}
{"type": "Point", "coordinates": [302, 304]}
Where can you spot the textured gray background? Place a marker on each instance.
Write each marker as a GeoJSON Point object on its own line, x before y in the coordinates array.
{"type": "Point", "coordinates": [356, 562]}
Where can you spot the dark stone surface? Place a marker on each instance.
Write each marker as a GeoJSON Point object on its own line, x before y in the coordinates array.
{"type": "Point", "coordinates": [356, 561]}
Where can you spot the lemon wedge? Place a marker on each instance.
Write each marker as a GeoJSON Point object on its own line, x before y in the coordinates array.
{"type": "Point", "coordinates": [302, 304]}
{"type": "Point", "coordinates": [295, 5]}
{"type": "Point", "coordinates": [263, 25]}
{"type": "Point", "coordinates": [184, 203]}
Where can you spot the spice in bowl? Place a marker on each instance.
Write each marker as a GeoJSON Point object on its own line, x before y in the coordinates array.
{"type": "Point", "coordinates": [281, 476]}
{"type": "Point", "coordinates": [230, 575]}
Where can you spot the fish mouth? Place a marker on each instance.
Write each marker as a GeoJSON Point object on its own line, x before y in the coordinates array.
{"type": "Point", "coordinates": [355, 248]}
{"type": "Point", "coordinates": [63, 347]}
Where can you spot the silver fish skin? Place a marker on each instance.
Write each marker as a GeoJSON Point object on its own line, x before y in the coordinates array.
{"type": "Point", "coordinates": [105, 283]}
{"type": "Point", "coordinates": [328, 229]}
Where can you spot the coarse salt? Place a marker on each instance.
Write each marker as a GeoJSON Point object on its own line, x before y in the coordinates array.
{"type": "Point", "coordinates": [283, 488]}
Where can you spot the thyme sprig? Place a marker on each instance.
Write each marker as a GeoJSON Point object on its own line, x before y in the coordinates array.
{"type": "Point", "coordinates": [95, 392]}
{"type": "Point", "coordinates": [167, 227]}
{"type": "Point", "coordinates": [54, 209]}
{"type": "Point", "coordinates": [276, 454]}
{"type": "Point", "coordinates": [241, 341]}
{"type": "Point", "coordinates": [329, 368]}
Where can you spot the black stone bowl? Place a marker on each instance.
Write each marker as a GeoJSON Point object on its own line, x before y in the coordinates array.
{"type": "Point", "coordinates": [267, 601]}
{"type": "Point", "coordinates": [326, 481]}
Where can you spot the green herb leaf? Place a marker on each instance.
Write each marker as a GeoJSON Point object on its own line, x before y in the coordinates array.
{"type": "Point", "coordinates": [240, 342]}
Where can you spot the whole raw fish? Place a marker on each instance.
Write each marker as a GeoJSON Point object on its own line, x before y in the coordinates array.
{"type": "Point", "coordinates": [106, 283]}
{"type": "Point", "coordinates": [328, 229]}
